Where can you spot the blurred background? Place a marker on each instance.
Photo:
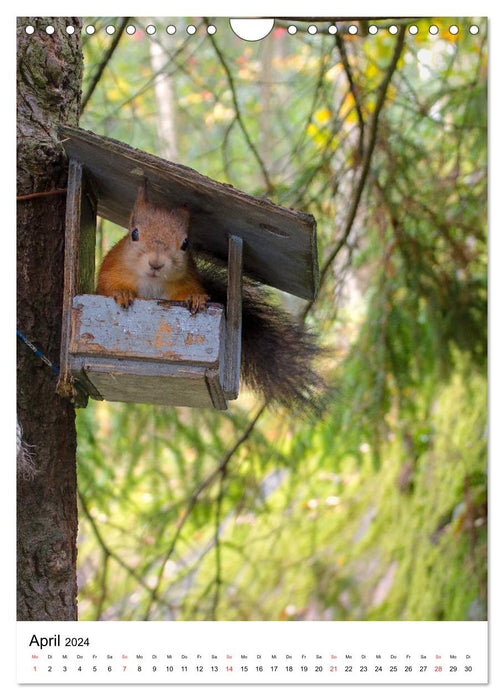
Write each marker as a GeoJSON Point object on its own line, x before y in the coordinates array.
{"type": "Point", "coordinates": [377, 509]}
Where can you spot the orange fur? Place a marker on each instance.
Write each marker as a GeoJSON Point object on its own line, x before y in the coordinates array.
{"type": "Point", "coordinates": [158, 265]}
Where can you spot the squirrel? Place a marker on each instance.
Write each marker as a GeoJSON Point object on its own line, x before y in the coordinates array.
{"type": "Point", "coordinates": [154, 261]}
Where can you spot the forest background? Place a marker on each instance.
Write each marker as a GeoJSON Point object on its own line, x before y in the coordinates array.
{"type": "Point", "coordinates": [376, 511]}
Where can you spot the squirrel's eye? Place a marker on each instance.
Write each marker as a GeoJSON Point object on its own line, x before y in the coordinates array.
{"type": "Point", "coordinates": [184, 245]}
{"type": "Point", "coordinates": [134, 234]}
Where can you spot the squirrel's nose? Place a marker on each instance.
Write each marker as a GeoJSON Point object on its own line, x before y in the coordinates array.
{"type": "Point", "coordinates": [155, 265]}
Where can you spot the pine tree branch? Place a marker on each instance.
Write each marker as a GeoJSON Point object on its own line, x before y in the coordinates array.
{"type": "Point", "coordinates": [220, 470]}
{"type": "Point", "coordinates": [110, 554]}
{"type": "Point", "coordinates": [268, 184]}
{"type": "Point", "coordinates": [367, 158]}
{"type": "Point", "coordinates": [353, 89]}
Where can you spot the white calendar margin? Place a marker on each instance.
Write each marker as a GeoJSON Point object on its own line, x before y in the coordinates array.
{"type": "Point", "coordinates": [124, 652]}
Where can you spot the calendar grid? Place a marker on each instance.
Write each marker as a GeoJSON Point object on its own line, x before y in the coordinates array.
{"type": "Point", "coordinates": [313, 652]}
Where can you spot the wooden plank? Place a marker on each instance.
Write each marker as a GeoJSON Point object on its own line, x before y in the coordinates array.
{"type": "Point", "coordinates": [154, 352]}
{"type": "Point", "coordinates": [80, 241]}
{"type": "Point", "coordinates": [135, 381]}
{"type": "Point", "coordinates": [213, 381]}
{"type": "Point", "coordinates": [232, 356]}
{"type": "Point", "coordinates": [65, 386]}
{"type": "Point", "coordinates": [148, 330]}
{"type": "Point", "coordinates": [280, 244]}
{"type": "Point", "coordinates": [87, 240]}
{"type": "Point", "coordinates": [77, 369]}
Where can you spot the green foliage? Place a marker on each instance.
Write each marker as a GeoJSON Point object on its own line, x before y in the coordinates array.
{"type": "Point", "coordinates": [377, 510]}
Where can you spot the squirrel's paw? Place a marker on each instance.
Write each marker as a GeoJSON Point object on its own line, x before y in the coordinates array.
{"type": "Point", "coordinates": [124, 297]}
{"type": "Point", "coordinates": [197, 303]}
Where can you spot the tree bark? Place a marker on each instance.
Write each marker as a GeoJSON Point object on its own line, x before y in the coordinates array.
{"type": "Point", "coordinates": [49, 76]}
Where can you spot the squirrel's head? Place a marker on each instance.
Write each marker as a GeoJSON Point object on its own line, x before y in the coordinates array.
{"type": "Point", "coordinates": [157, 241]}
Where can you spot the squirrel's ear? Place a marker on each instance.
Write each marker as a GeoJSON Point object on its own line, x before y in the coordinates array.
{"type": "Point", "coordinates": [142, 196]}
{"type": "Point", "coordinates": [140, 202]}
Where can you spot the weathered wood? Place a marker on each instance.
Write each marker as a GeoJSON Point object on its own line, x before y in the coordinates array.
{"type": "Point", "coordinates": [86, 283]}
{"type": "Point", "coordinates": [214, 385]}
{"type": "Point", "coordinates": [280, 244]}
{"type": "Point", "coordinates": [135, 381]}
{"type": "Point", "coordinates": [65, 385]}
{"type": "Point", "coordinates": [148, 330]}
{"type": "Point", "coordinates": [154, 352]}
{"type": "Point", "coordinates": [80, 236]}
{"type": "Point", "coordinates": [232, 356]}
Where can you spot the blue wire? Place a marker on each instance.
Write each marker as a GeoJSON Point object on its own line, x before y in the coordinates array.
{"type": "Point", "coordinates": [38, 353]}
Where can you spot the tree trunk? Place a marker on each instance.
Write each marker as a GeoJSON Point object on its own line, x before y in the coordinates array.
{"type": "Point", "coordinates": [165, 102]}
{"type": "Point", "coordinates": [49, 75]}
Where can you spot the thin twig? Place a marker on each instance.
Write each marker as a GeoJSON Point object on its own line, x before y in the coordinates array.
{"type": "Point", "coordinates": [219, 470]}
{"type": "Point", "coordinates": [353, 89]}
{"type": "Point", "coordinates": [34, 195]}
{"type": "Point", "coordinates": [366, 163]}
{"type": "Point", "coordinates": [269, 185]}
{"type": "Point", "coordinates": [103, 63]}
{"type": "Point", "coordinates": [217, 545]}
{"type": "Point", "coordinates": [109, 553]}
{"type": "Point", "coordinates": [103, 586]}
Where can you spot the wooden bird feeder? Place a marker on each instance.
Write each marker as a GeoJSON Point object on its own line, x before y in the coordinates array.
{"type": "Point", "coordinates": [156, 352]}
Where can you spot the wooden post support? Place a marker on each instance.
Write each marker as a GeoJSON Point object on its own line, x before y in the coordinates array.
{"type": "Point", "coordinates": [80, 234]}
{"type": "Point", "coordinates": [232, 357]}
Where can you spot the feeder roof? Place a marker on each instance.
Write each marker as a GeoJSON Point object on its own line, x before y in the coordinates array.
{"type": "Point", "coordinates": [280, 244]}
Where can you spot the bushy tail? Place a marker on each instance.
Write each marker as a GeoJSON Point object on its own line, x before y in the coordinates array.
{"type": "Point", "coordinates": [278, 354]}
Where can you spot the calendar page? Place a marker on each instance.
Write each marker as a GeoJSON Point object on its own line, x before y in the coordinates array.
{"type": "Point", "coordinates": [252, 386]}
